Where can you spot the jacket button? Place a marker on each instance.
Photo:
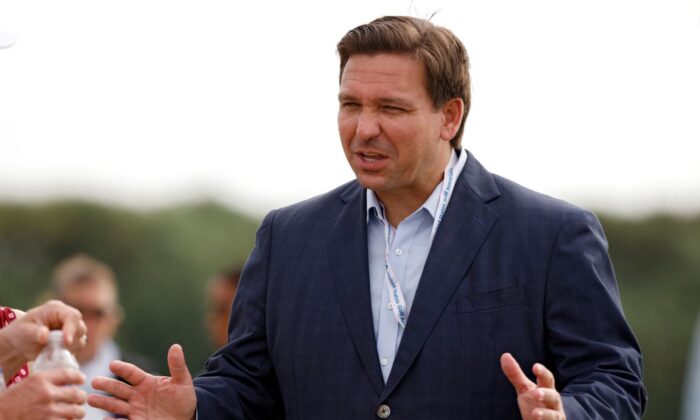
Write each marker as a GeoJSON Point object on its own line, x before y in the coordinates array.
{"type": "Point", "coordinates": [383, 411]}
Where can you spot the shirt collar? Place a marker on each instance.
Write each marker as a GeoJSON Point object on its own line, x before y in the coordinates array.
{"type": "Point", "coordinates": [374, 206]}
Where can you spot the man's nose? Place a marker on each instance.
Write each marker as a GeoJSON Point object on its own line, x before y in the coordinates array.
{"type": "Point", "coordinates": [368, 126]}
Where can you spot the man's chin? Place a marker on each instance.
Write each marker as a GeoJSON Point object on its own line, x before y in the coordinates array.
{"type": "Point", "coordinates": [85, 355]}
{"type": "Point", "coordinates": [371, 181]}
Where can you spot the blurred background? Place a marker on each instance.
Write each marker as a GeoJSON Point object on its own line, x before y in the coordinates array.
{"type": "Point", "coordinates": [154, 135]}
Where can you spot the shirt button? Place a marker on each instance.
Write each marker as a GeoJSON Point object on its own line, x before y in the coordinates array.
{"type": "Point", "coordinates": [398, 251]}
{"type": "Point", "coordinates": [389, 306]}
{"type": "Point", "coordinates": [383, 411]}
{"type": "Point", "coordinates": [384, 362]}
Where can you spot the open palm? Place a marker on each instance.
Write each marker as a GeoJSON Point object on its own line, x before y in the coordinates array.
{"type": "Point", "coordinates": [147, 396]}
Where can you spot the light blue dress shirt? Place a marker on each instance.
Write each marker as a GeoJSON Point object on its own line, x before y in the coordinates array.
{"type": "Point", "coordinates": [409, 245]}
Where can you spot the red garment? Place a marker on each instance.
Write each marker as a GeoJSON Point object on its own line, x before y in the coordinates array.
{"type": "Point", "coordinates": [7, 315]}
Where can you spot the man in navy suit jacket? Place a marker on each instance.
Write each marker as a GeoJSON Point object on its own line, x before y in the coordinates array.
{"type": "Point", "coordinates": [506, 274]}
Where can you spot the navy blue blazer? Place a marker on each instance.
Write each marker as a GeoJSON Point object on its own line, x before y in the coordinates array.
{"type": "Point", "coordinates": [510, 270]}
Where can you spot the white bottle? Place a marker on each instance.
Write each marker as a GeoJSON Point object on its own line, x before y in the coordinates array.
{"type": "Point", "coordinates": [55, 355]}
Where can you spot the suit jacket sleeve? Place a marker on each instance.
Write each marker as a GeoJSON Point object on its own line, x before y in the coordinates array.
{"type": "Point", "coordinates": [239, 380]}
{"type": "Point", "coordinates": [596, 356]}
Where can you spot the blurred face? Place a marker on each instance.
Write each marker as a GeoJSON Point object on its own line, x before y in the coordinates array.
{"type": "Point", "coordinates": [393, 136]}
{"type": "Point", "coordinates": [96, 300]}
{"type": "Point", "coordinates": [220, 294]}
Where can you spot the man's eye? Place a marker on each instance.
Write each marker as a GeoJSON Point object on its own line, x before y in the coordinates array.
{"type": "Point", "coordinates": [350, 105]}
{"type": "Point", "coordinates": [394, 109]}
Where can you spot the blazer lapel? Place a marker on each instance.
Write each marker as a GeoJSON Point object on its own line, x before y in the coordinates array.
{"type": "Point", "coordinates": [466, 225]}
{"type": "Point", "coordinates": [350, 269]}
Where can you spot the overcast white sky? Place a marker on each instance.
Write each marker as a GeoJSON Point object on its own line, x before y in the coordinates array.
{"type": "Point", "coordinates": [148, 102]}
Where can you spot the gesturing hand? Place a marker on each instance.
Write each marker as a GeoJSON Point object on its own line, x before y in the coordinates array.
{"type": "Point", "coordinates": [148, 396]}
{"type": "Point", "coordinates": [539, 401]}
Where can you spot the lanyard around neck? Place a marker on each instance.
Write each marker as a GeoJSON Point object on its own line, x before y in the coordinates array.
{"type": "Point", "coordinates": [396, 297]}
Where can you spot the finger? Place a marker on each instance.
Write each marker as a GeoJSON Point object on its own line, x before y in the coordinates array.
{"type": "Point", "coordinates": [112, 386]}
{"type": "Point", "coordinates": [109, 404]}
{"type": "Point", "coordinates": [131, 373]}
{"type": "Point", "coordinates": [546, 414]}
{"type": "Point", "coordinates": [42, 335]}
{"type": "Point", "coordinates": [176, 363]}
{"type": "Point", "coordinates": [549, 397]}
{"type": "Point", "coordinates": [68, 334]}
{"type": "Point", "coordinates": [54, 314]}
{"type": "Point", "coordinates": [69, 395]}
{"type": "Point", "coordinates": [515, 375]}
{"type": "Point", "coordinates": [545, 378]}
{"type": "Point", "coordinates": [67, 411]}
{"type": "Point", "coordinates": [73, 328]}
{"type": "Point", "coordinates": [82, 342]}
{"type": "Point", "coordinates": [64, 376]}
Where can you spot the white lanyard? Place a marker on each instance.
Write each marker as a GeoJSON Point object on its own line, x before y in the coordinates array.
{"type": "Point", "coordinates": [398, 303]}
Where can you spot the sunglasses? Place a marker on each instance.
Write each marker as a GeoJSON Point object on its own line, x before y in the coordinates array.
{"type": "Point", "coordinates": [95, 313]}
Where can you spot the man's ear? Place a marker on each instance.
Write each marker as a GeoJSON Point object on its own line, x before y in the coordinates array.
{"type": "Point", "coordinates": [452, 112]}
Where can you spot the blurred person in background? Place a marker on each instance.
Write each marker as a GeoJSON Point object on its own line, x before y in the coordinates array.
{"type": "Point", "coordinates": [691, 392]}
{"type": "Point", "coordinates": [90, 286]}
{"type": "Point", "coordinates": [220, 291]}
{"type": "Point", "coordinates": [39, 396]}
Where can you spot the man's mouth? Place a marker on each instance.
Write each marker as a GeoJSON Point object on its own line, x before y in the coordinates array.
{"type": "Point", "coordinates": [371, 157]}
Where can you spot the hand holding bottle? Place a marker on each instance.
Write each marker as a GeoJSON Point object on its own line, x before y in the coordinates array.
{"type": "Point", "coordinates": [55, 355]}
{"type": "Point", "coordinates": [44, 394]}
{"type": "Point", "coordinates": [22, 340]}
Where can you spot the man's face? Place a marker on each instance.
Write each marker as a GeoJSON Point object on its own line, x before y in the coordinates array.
{"type": "Point", "coordinates": [96, 300]}
{"type": "Point", "coordinates": [390, 130]}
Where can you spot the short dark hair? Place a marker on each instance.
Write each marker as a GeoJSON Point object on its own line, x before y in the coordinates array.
{"type": "Point", "coordinates": [442, 54]}
{"type": "Point", "coordinates": [229, 276]}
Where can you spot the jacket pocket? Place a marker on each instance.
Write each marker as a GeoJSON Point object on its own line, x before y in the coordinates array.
{"type": "Point", "coordinates": [490, 300]}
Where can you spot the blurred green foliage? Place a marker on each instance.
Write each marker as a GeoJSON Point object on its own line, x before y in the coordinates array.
{"type": "Point", "coordinates": [163, 259]}
{"type": "Point", "coordinates": [657, 262]}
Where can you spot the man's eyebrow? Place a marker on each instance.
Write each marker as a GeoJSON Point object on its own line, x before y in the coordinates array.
{"type": "Point", "coordinates": [394, 101]}
{"type": "Point", "coordinates": [382, 101]}
{"type": "Point", "coordinates": [345, 97]}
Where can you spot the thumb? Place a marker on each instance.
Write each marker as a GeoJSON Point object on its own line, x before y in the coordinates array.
{"type": "Point", "coordinates": [176, 363]}
{"type": "Point", "coordinates": [42, 335]}
{"type": "Point", "coordinates": [515, 375]}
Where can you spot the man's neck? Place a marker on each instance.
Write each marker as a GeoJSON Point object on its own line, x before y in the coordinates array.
{"type": "Point", "coordinates": [398, 205]}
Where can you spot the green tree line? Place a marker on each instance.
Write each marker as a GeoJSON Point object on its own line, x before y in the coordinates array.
{"type": "Point", "coordinates": [163, 259]}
